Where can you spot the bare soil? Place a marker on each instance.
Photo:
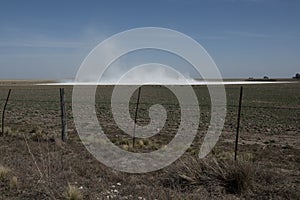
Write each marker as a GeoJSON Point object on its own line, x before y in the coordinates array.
{"type": "Point", "coordinates": [44, 166]}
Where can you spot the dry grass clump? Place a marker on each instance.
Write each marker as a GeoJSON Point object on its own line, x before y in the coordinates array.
{"type": "Point", "coordinates": [37, 134]}
{"type": "Point", "coordinates": [13, 131]}
{"type": "Point", "coordinates": [236, 177]}
{"type": "Point", "coordinates": [13, 182]}
{"type": "Point", "coordinates": [8, 131]}
{"type": "Point", "coordinates": [72, 193]}
{"type": "Point", "coordinates": [7, 178]}
{"type": "Point", "coordinates": [4, 172]}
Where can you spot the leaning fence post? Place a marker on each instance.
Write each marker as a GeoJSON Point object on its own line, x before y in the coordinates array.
{"type": "Point", "coordinates": [135, 116]}
{"type": "Point", "coordinates": [238, 124]}
{"type": "Point", "coordinates": [64, 135]}
{"type": "Point", "coordinates": [3, 112]}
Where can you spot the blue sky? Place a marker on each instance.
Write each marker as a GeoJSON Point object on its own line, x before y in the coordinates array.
{"type": "Point", "coordinates": [50, 39]}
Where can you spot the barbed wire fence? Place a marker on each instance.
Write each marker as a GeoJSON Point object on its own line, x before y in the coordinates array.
{"type": "Point", "coordinates": [48, 111]}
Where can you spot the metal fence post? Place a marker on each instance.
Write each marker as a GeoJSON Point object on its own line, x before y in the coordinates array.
{"type": "Point", "coordinates": [135, 116]}
{"type": "Point", "coordinates": [238, 124]}
{"type": "Point", "coordinates": [64, 135]}
{"type": "Point", "coordinates": [3, 112]}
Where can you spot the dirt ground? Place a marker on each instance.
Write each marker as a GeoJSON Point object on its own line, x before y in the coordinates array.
{"type": "Point", "coordinates": [41, 166]}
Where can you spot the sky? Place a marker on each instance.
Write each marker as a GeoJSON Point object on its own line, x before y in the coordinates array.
{"type": "Point", "coordinates": [245, 38]}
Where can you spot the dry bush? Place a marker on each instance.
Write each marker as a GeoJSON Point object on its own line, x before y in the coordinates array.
{"type": "Point", "coordinates": [238, 176]}
{"type": "Point", "coordinates": [72, 193]}
{"type": "Point", "coordinates": [13, 182]}
{"type": "Point", "coordinates": [13, 131]}
{"type": "Point", "coordinates": [235, 177]}
{"type": "Point", "coordinates": [9, 132]}
{"type": "Point", "coordinates": [4, 172]}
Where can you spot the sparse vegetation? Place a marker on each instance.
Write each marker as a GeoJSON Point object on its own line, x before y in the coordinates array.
{"type": "Point", "coordinates": [238, 176]}
{"type": "Point", "coordinates": [235, 177]}
{"type": "Point", "coordinates": [13, 184]}
{"type": "Point", "coordinates": [268, 158]}
{"type": "Point", "coordinates": [4, 172]}
{"type": "Point", "coordinates": [72, 193]}
{"type": "Point", "coordinates": [8, 131]}
{"type": "Point", "coordinates": [297, 76]}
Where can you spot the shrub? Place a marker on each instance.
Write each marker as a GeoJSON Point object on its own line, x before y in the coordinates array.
{"type": "Point", "coordinates": [4, 171]}
{"type": "Point", "coordinates": [13, 182]}
{"type": "Point", "coordinates": [72, 193]}
{"type": "Point", "coordinates": [235, 177]}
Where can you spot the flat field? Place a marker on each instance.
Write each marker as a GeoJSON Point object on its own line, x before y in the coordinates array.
{"type": "Point", "coordinates": [36, 164]}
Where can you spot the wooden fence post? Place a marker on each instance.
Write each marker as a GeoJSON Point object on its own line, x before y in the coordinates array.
{"type": "Point", "coordinates": [238, 124]}
{"type": "Point", "coordinates": [135, 116]}
{"type": "Point", "coordinates": [64, 134]}
{"type": "Point", "coordinates": [3, 112]}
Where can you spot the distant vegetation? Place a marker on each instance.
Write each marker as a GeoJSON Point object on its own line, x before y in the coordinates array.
{"type": "Point", "coordinates": [297, 76]}
{"type": "Point", "coordinates": [265, 78]}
